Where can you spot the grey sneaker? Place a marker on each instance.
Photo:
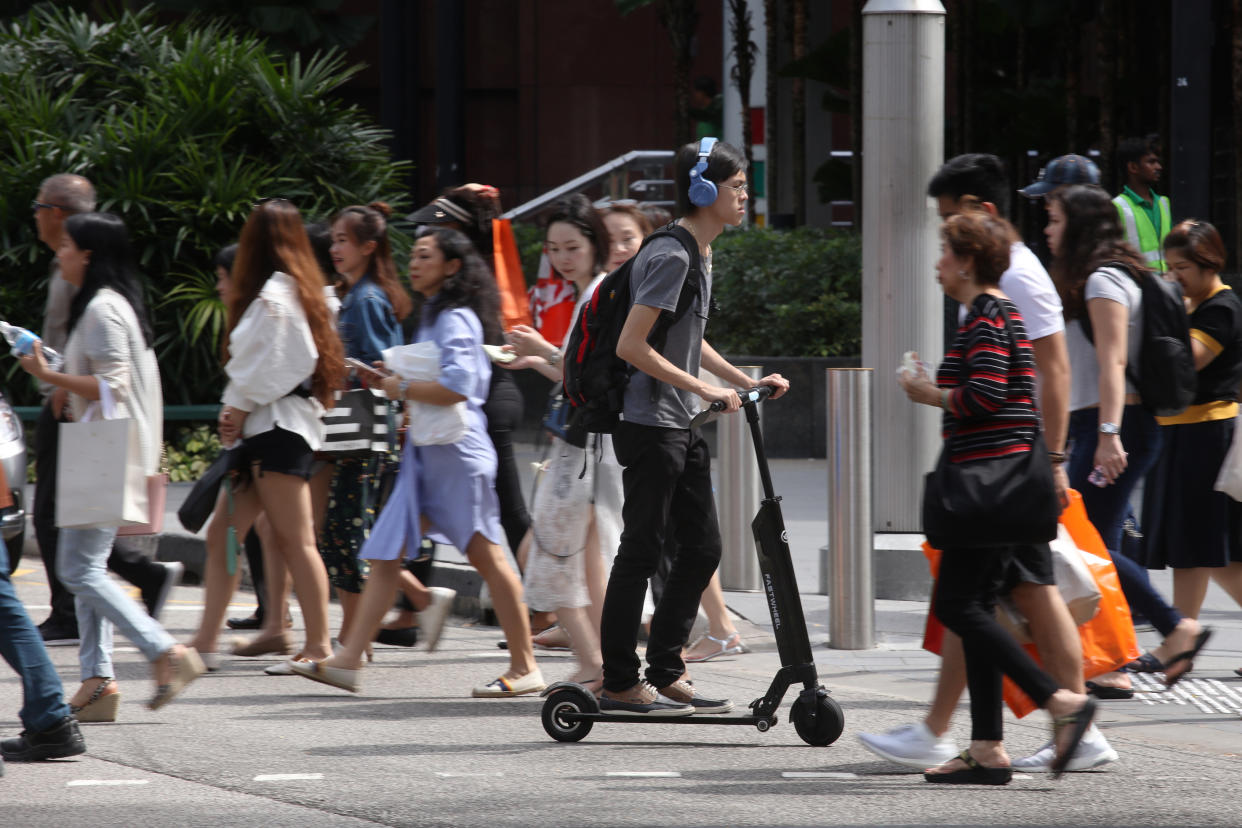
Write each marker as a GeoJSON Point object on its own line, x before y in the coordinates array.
{"type": "Point", "coordinates": [683, 692]}
{"type": "Point", "coordinates": [641, 700]}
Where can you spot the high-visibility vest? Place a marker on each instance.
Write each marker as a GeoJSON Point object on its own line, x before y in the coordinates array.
{"type": "Point", "coordinates": [1141, 234]}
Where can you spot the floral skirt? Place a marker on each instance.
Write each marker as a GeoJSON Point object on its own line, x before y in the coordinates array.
{"type": "Point", "coordinates": [353, 503]}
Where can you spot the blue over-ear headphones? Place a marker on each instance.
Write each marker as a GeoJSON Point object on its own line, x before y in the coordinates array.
{"type": "Point", "coordinates": [703, 192]}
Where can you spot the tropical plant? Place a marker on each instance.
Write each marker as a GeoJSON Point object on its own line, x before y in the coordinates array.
{"type": "Point", "coordinates": [181, 128]}
{"type": "Point", "coordinates": [787, 293]}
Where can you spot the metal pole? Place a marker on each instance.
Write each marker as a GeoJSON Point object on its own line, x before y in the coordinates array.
{"type": "Point", "coordinates": [738, 486]}
{"type": "Point", "coordinates": [851, 586]}
{"type": "Point", "coordinates": [903, 146]}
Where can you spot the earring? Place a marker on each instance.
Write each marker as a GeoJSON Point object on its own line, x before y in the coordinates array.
{"type": "Point", "coordinates": [962, 273]}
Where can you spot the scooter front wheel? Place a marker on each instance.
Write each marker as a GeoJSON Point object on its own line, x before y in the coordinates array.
{"type": "Point", "coordinates": [568, 700]}
{"type": "Point", "coordinates": [818, 723]}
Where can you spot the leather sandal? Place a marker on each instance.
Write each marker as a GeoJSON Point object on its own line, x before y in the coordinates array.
{"type": "Point", "coordinates": [726, 647]}
{"type": "Point", "coordinates": [1188, 656]}
{"type": "Point", "coordinates": [1078, 722]}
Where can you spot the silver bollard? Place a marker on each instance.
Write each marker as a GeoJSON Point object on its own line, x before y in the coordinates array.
{"type": "Point", "coordinates": [738, 498]}
{"type": "Point", "coordinates": [851, 585]}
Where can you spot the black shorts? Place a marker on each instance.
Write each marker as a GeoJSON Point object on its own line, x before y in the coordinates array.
{"type": "Point", "coordinates": [1029, 563]}
{"type": "Point", "coordinates": [279, 451]}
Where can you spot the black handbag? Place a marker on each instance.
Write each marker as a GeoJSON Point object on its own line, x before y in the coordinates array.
{"type": "Point", "coordinates": [998, 501]}
{"type": "Point", "coordinates": [201, 501]}
{"type": "Point", "coordinates": [560, 422]}
{"type": "Point", "coordinates": [359, 424]}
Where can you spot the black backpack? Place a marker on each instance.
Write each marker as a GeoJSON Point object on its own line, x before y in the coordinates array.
{"type": "Point", "coordinates": [595, 378]}
{"type": "Point", "coordinates": [1165, 377]}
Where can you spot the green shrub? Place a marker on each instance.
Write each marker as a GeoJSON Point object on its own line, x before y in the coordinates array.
{"type": "Point", "coordinates": [181, 128]}
{"type": "Point", "coordinates": [787, 293]}
{"type": "Point", "coordinates": [190, 451]}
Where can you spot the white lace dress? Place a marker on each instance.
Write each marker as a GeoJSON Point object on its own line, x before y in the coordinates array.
{"type": "Point", "coordinates": [575, 479]}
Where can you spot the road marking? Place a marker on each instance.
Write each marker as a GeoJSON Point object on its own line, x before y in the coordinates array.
{"type": "Point", "coordinates": [286, 777]}
{"type": "Point", "coordinates": [99, 783]}
{"type": "Point", "coordinates": [644, 774]}
{"type": "Point", "coordinates": [455, 775]}
{"type": "Point", "coordinates": [818, 775]}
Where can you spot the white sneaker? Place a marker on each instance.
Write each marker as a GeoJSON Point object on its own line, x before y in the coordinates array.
{"type": "Point", "coordinates": [1093, 751]}
{"type": "Point", "coordinates": [912, 745]}
{"type": "Point", "coordinates": [431, 620]}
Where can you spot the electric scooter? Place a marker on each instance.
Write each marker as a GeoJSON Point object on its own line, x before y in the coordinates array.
{"type": "Point", "coordinates": [571, 710]}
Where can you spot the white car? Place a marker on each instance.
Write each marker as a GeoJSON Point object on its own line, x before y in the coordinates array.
{"type": "Point", "coordinates": [13, 459]}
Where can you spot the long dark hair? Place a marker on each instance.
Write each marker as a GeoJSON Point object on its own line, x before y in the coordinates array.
{"type": "Point", "coordinates": [370, 223]}
{"type": "Point", "coordinates": [1092, 237]}
{"type": "Point", "coordinates": [274, 239]}
{"type": "Point", "coordinates": [472, 286]}
{"type": "Point", "coordinates": [111, 266]}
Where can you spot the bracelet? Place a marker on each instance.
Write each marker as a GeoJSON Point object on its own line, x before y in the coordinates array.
{"type": "Point", "coordinates": [402, 386]}
{"type": "Point", "coordinates": [1056, 457]}
{"type": "Point", "coordinates": [944, 399]}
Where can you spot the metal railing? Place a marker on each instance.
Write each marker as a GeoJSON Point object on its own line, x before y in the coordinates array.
{"type": "Point", "coordinates": [630, 160]}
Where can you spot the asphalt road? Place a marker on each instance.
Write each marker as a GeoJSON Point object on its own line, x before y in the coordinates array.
{"type": "Point", "coordinates": [412, 749]}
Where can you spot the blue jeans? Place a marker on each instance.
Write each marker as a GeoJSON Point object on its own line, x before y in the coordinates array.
{"type": "Point", "coordinates": [81, 563]}
{"type": "Point", "coordinates": [43, 703]}
{"type": "Point", "coordinates": [1108, 506]}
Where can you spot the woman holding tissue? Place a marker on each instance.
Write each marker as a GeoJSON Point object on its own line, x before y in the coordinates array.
{"type": "Point", "coordinates": [284, 362]}
{"type": "Point", "coordinates": [446, 490]}
{"type": "Point", "coordinates": [986, 387]}
{"type": "Point", "coordinates": [109, 360]}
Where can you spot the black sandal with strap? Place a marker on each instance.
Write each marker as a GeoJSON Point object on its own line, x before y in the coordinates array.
{"type": "Point", "coordinates": [972, 774]}
{"type": "Point", "coordinates": [1078, 722]}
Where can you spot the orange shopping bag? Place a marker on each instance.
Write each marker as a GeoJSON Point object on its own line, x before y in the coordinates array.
{"type": "Point", "coordinates": [1108, 639]}
{"type": "Point", "coordinates": [509, 279]}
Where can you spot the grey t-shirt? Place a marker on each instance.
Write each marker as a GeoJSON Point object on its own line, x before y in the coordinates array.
{"type": "Point", "coordinates": [660, 270]}
{"type": "Point", "coordinates": [1117, 286]}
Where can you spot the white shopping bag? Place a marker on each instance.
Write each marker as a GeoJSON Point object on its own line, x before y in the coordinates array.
{"type": "Point", "coordinates": [100, 479]}
{"type": "Point", "coordinates": [1074, 581]}
{"type": "Point", "coordinates": [1229, 480]}
{"type": "Point", "coordinates": [429, 425]}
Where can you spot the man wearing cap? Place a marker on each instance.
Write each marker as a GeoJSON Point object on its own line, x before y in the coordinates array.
{"type": "Point", "coordinates": [1145, 215]}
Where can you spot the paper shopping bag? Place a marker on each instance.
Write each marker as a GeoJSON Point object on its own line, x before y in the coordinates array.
{"type": "Point", "coordinates": [99, 475]}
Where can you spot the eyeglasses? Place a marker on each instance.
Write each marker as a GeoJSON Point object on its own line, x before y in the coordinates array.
{"type": "Point", "coordinates": [269, 200]}
{"type": "Point", "coordinates": [742, 189]}
{"type": "Point", "coordinates": [42, 205]}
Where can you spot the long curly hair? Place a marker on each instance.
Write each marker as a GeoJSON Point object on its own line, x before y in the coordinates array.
{"type": "Point", "coordinates": [370, 223]}
{"type": "Point", "coordinates": [1092, 237]}
{"type": "Point", "coordinates": [274, 239]}
{"type": "Point", "coordinates": [472, 286]}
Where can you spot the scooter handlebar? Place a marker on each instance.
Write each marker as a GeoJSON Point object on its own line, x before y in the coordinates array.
{"type": "Point", "coordinates": [751, 395]}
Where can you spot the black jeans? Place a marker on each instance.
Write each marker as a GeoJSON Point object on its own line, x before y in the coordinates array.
{"type": "Point", "coordinates": [965, 602]}
{"type": "Point", "coordinates": [125, 560]}
{"type": "Point", "coordinates": [504, 408]}
{"type": "Point", "coordinates": [668, 490]}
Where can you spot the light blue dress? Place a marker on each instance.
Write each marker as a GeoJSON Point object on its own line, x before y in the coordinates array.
{"type": "Point", "coordinates": [453, 485]}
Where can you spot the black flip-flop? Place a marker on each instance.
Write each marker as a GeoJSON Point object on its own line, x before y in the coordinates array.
{"type": "Point", "coordinates": [1189, 656]}
{"type": "Point", "coordinates": [1238, 671]}
{"type": "Point", "coordinates": [972, 774]}
{"type": "Point", "coordinates": [1146, 663]}
{"type": "Point", "coordinates": [1103, 691]}
{"type": "Point", "coordinates": [1078, 722]}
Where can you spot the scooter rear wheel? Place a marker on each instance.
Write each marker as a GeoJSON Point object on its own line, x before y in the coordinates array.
{"type": "Point", "coordinates": [819, 723]}
{"type": "Point", "coordinates": [568, 700]}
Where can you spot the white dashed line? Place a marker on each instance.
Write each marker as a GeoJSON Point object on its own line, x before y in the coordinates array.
{"type": "Point", "coordinates": [455, 775]}
{"type": "Point", "coordinates": [286, 777]}
{"type": "Point", "coordinates": [644, 774]}
{"type": "Point", "coordinates": [102, 783]}
{"type": "Point", "coordinates": [818, 775]}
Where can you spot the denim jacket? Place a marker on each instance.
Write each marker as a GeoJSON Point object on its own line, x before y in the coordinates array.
{"type": "Point", "coordinates": [366, 323]}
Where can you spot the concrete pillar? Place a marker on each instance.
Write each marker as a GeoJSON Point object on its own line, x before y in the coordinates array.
{"type": "Point", "coordinates": [903, 146]}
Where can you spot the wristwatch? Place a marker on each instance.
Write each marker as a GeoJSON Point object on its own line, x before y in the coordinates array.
{"type": "Point", "coordinates": [1110, 428]}
{"type": "Point", "coordinates": [402, 387]}
{"type": "Point", "coordinates": [553, 358]}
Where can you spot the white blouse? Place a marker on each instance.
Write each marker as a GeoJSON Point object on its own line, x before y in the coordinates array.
{"type": "Point", "coordinates": [271, 353]}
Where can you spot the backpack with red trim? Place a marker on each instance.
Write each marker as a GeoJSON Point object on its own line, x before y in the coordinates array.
{"type": "Point", "coordinates": [595, 378]}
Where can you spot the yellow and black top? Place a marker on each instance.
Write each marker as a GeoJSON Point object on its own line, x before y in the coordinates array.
{"type": "Point", "coordinates": [1217, 325]}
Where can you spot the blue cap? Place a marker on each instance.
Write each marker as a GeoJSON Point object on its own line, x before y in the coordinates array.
{"type": "Point", "coordinates": [1063, 171]}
